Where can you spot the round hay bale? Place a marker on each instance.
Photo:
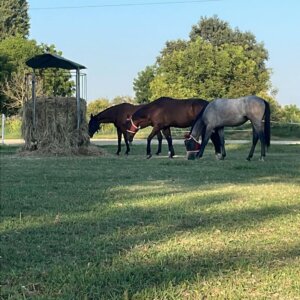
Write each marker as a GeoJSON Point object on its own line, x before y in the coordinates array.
{"type": "Point", "coordinates": [55, 130]}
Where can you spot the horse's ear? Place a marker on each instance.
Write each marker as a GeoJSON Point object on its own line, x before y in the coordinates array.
{"type": "Point", "coordinates": [92, 116]}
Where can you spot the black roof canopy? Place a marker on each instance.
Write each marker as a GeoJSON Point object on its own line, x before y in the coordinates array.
{"type": "Point", "coordinates": [49, 60]}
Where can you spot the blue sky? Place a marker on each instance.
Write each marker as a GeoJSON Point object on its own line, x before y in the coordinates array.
{"type": "Point", "coordinates": [117, 42]}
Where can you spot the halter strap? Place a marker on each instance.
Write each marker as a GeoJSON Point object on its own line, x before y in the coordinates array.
{"type": "Point", "coordinates": [133, 128]}
{"type": "Point", "coordinates": [193, 138]}
{"type": "Point", "coordinates": [197, 142]}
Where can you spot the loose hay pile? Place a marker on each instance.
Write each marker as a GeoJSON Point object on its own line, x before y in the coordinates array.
{"type": "Point", "coordinates": [55, 129]}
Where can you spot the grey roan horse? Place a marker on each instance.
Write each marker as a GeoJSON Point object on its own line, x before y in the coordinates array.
{"type": "Point", "coordinates": [230, 112]}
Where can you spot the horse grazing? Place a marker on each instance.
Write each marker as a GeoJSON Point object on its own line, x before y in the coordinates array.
{"type": "Point", "coordinates": [117, 115]}
{"type": "Point", "coordinates": [164, 113]}
{"type": "Point", "coordinates": [230, 112]}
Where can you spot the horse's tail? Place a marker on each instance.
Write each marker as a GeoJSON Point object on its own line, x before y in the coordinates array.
{"type": "Point", "coordinates": [267, 129]}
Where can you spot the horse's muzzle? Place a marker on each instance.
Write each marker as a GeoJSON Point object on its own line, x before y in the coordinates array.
{"type": "Point", "coordinates": [192, 148]}
{"type": "Point", "coordinates": [191, 155]}
{"type": "Point", "coordinates": [129, 136]}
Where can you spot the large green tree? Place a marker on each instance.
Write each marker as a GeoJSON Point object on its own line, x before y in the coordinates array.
{"type": "Point", "coordinates": [14, 19]}
{"type": "Point", "coordinates": [203, 70]}
{"type": "Point", "coordinates": [217, 61]}
{"type": "Point", "coordinates": [141, 85]}
{"type": "Point", "coordinates": [15, 49]}
{"type": "Point", "coordinates": [13, 70]}
{"type": "Point", "coordinates": [218, 33]}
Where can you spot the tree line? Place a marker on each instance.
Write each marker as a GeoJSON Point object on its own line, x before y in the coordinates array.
{"type": "Point", "coordinates": [15, 49]}
{"type": "Point", "coordinates": [216, 61]}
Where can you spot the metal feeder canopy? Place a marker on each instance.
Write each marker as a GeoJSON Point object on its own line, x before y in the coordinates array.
{"type": "Point", "coordinates": [49, 60]}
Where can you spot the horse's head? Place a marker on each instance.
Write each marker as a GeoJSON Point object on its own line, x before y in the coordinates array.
{"type": "Point", "coordinates": [131, 129]}
{"type": "Point", "coordinates": [93, 125]}
{"type": "Point", "coordinates": [192, 146]}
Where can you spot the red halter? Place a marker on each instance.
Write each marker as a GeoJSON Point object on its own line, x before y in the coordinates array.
{"type": "Point", "coordinates": [133, 128]}
{"type": "Point", "coordinates": [197, 145]}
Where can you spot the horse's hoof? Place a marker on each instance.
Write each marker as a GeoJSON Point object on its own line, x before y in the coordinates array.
{"type": "Point", "coordinates": [219, 156]}
{"type": "Point", "coordinates": [149, 156]}
{"type": "Point", "coordinates": [190, 156]}
{"type": "Point", "coordinates": [118, 153]}
{"type": "Point", "coordinates": [248, 158]}
{"type": "Point", "coordinates": [171, 154]}
{"type": "Point", "coordinates": [262, 159]}
{"type": "Point", "coordinates": [157, 153]}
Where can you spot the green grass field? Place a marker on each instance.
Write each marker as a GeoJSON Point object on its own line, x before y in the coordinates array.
{"type": "Point", "coordinates": [129, 228]}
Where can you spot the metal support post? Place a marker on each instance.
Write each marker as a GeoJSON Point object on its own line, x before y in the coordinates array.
{"type": "Point", "coordinates": [33, 101]}
{"type": "Point", "coordinates": [78, 96]}
{"type": "Point", "coordinates": [3, 127]}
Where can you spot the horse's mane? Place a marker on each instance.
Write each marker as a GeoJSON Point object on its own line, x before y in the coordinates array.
{"type": "Point", "coordinates": [199, 116]}
{"type": "Point", "coordinates": [113, 108]}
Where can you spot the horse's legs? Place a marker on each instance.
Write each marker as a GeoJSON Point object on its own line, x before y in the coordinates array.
{"type": "Point", "coordinates": [119, 132]}
{"type": "Point", "coordinates": [262, 144]}
{"type": "Point", "coordinates": [254, 142]}
{"type": "Point", "coordinates": [154, 131]}
{"type": "Point", "coordinates": [215, 138]}
{"type": "Point", "coordinates": [159, 139]}
{"type": "Point", "coordinates": [126, 143]}
{"type": "Point", "coordinates": [168, 136]}
{"type": "Point", "coordinates": [205, 138]}
{"type": "Point", "coordinates": [222, 142]}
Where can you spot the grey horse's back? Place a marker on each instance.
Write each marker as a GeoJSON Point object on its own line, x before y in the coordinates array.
{"type": "Point", "coordinates": [232, 112]}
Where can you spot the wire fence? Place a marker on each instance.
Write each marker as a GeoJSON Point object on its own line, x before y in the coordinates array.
{"type": "Point", "coordinates": [278, 130]}
{"type": "Point", "coordinates": [10, 127]}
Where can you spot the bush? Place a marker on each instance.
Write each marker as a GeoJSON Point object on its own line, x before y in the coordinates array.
{"type": "Point", "coordinates": [12, 128]}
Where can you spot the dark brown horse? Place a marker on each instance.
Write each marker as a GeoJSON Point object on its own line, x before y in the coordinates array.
{"type": "Point", "coordinates": [118, 115]}
{"type": "Point", "coordinates": [164, 113]}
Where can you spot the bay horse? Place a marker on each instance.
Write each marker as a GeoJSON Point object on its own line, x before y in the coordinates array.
{"type": "Point", "coordinates": [230, 112]}
{"type": "Point", "coordinates": [118, 115]}
{"type": "Point", "coordinates": [164, 113]}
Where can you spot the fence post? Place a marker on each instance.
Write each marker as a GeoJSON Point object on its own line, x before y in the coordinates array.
{"type": "Point", "coordinates": [78, 96]}
{"type": "Point", "coordinates": [33, 101]}
{"type": "Point", "coordinates": [3, 124]}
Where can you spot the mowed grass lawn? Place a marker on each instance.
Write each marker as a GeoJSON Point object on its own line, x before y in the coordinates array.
{"type": "Point", "coordinates": [129, 228]}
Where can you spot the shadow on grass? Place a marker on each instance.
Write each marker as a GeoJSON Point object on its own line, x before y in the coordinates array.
{"type": "Point", "coordinates": [85, 252]}
{"type": "Point", "coordinates": [176, 269]}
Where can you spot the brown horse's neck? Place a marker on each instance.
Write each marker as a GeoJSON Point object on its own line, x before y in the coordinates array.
{"type": "Point", "coordinates": [141, 120]}
{"type": "Point", "coordinates": [106, 116]}
{"type": "Point", "coordinates": [143, 116]}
